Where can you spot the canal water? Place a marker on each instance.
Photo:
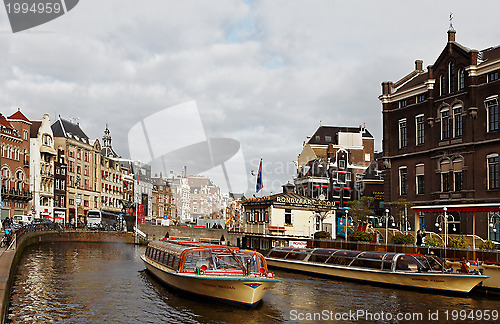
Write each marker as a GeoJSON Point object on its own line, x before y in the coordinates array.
{"type": "Point", "coordinates": [96, 283]}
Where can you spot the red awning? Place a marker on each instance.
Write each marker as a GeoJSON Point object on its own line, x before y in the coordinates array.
{"type": "Point", "coordinates": [458, 208]}
{"type": "Point", "coordinates": [48, 216]}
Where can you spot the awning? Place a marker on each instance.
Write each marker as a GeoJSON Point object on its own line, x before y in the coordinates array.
{"type": "Point", "coordinates": [47, 149]}
{"type": "Point", "coordinates": [48, 217]}
{"type": "Point", "coordinates": [458, 208]}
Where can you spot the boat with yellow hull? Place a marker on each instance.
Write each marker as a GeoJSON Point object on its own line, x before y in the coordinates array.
{"type": "Point", "coordinates": [397, 269]}
{"type": "Point", "coordinates": [218, 272]}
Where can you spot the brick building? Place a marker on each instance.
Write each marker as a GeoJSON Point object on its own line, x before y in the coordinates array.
{"type": "Point", "coordinates": [442, 140]}
{"type": "Point", "coordinates": [15, 164]}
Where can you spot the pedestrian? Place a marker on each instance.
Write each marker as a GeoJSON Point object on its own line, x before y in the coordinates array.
{"type": "Point", "coordinates": [419, 238]}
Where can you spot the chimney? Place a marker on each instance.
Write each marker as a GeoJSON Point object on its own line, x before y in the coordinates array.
{"type": "Point", "coordinates": [451, 34]}
{"type": "Point", "coordinates": [288, 188]}
{"type": "Point", "coordinates": [386, 87]}
{"type": "Point", "coordinates": [419, 65]}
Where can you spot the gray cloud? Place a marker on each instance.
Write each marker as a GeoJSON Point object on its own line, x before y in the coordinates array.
{"type": "Point", "coordinates": [264, 73]}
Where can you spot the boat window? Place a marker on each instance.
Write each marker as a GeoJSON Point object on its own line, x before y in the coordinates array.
{"type": "Point", "coordinates": [407, 263]}
{"type": "Point", "coordinates": [225, 261]}
{"type": "Point", "coordinates": [372, 255]}
{"type": "Point", "coordinates": [321, 255]}
{"type": "Point", "coordinates": [367, 263]}
{"type": "Point", "coordinates": [342, 257]}
{"type": "Point", "coordinates": [196, 259]}
{"type": "Point", "coordinates": [256, 261]}
{"type": "Point", "coordinates": [296, 256]}
{"type": "Point", "coordinates": [434, 263]}
{"type": "Point", "coordinates": [278, 254]}
{"type": "Point", "coordinates": [174, 262]}
{"type": "Point", "coordinates": [321, 258]}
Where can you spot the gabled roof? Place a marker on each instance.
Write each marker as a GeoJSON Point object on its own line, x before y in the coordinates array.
{"type": "Point", "coordinates": [18, 115]}
{"type": "Point", "coordinates": [5, 123]}
{"type": "Point", "coordinates": [490, 54]}
{"type": "Point", "coordinates": [67, 129]}
{"type": "Point", "coordinates": [322, 132]}
{"type": "Point", "coordinates": [35, 126]}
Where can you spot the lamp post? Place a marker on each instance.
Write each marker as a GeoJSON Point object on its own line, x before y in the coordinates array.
{"type": "Point", "coordinates": [346, 226]}
{"type": "Point", "coordinates": [386, 225]}
{"type": "Point", "coordinates": [445, 223]}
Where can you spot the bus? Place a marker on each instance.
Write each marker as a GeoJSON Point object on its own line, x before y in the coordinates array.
{"type": "Point", "coordinates": [101, 219]}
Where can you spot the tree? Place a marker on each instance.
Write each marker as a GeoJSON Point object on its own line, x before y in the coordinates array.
{"type": "Point", "coordinates": [360, 209]}
{"type": "Point", "coordinates": [401, 207]}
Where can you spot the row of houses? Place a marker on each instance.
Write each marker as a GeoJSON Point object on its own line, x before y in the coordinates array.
{"type": "Point", "coordinates": [56, 171]}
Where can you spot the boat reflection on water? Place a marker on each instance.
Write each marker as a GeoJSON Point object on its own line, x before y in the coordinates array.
{"type": "Point", "coordinates": [397, 269]}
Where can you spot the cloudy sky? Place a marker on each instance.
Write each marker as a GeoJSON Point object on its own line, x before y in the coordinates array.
{"type": "Point", "coordinates": [262, 73]}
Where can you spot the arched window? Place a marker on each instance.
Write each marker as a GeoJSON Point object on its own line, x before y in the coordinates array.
{"type": "Point", "coordinates": [457, 121]}
{"type": "Point", "coordinates": [444, 169]}
{"type": "Point", "coordinates": [458, 165]}
{"type": "Point", "coordinates": [451, 76]}
{"type": "Point", "coordinates": [442, 84]}
{"type": "Point", "coordinates": [445, 123]}
{"type": "Point", "coordinates": [461, 79]}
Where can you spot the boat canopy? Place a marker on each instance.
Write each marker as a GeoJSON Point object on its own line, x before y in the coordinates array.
{"type": "Point", "coordinates": [193, 256]}
{"type": "Point", "coordinates": [362, 259]}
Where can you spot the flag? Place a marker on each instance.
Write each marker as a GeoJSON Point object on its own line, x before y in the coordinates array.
{"type": "Point", "coordinates": [259, 185]}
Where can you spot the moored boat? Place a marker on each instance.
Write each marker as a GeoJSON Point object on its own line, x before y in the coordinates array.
{"type": "Point", "coordinates": [220, 272]}
{"type": "Point", "coordinates": [398, 269]}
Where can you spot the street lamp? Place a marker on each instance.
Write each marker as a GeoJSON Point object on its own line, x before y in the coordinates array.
{"type": "Point", "coordinates": [493, 224]}
{"type": "Point", "coordinates": [386, 218]}
{"type": "Point", "coordinates": [445, 222]}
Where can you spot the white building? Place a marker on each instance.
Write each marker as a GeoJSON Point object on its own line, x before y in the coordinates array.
{"type": "Point", "coordinates": [181, 196]}
{"type": "Point", "coordinates": [285, 219]}
{"type": "Point", "coordinates": [42, 154]}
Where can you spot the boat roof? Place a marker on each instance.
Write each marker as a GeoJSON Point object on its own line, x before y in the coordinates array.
{"type": "Point", "coordinates": [179, 246]}
{"type": "Point", "coordinates": [348, 253]}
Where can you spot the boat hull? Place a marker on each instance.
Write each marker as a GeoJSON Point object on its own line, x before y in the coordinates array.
{"type": "Point", "coordinates": [242, 290]}
{"type": "Point", "coordinates": [444, 282]}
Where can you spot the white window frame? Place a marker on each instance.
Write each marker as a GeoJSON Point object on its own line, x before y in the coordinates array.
{"type": "Point", "coordinates": [417, 129]}
{"type": "Point", "coordinates": [400, 133]}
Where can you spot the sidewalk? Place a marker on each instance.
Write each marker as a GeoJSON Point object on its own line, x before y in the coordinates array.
{"type": "Point", "coordinates": [6, 259]}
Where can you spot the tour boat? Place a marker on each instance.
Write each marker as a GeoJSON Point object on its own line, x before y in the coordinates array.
{"type": "Point", "coordinates": [216, 271]}
{"type": "Point", "coordinates": [399, 269]}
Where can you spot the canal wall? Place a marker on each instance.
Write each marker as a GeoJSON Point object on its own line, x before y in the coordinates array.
{"type": "Point", "coordinates": [9, 259]}
{"type": "Point", "coordinates": [156, 232]}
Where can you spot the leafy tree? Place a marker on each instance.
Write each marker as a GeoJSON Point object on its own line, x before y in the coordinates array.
{"type": "Point", "coordinates": [360, 209]}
